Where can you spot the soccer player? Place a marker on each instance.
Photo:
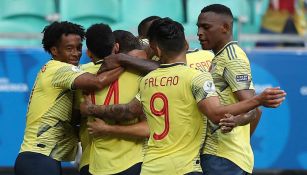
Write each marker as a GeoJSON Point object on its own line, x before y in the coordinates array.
{"type": "Point", "coordinates": [174, 97]}
{"type": "Point", "coordinates": [232, 153]}
{"type": "Point", "coordinates": [197, 59]}
{"type": "Point", "coordinates": [114, 154]}
{"type": "Point", "coordinates": [126, 43]}
{"type": "Point", "coordinates": [50, 134]}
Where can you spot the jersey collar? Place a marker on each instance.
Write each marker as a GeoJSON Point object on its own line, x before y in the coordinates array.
{"type": "Point", "coordinates": [171, 65]}
{"type": "Point", "coordinates": [98, 62]}
{"type": "Point", "coordinates": [228, 44]}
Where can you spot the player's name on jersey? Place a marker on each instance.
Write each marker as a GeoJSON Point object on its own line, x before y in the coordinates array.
{"type": "Point", "coordinates": [161, 81]}
{"type": "Point", "coordinates": [200, 65]}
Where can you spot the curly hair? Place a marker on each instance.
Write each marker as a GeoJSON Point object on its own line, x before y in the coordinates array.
{"type": "Point", "coordinates": [100, 40]}
{"type": "Point", "coordinates": [53, 33]}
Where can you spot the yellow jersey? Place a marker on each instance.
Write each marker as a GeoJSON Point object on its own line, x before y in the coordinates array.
{"type": "Point", "coordinates": [231, 72]}
{"type": "Point", "coordinates": [169, 96]}
{"type": "Point", "coordinates": [109, 154]}
{"type": "Point", "coordinates": [84, 136]}
{"type": "Point", "coordinates": [199, 59]}
{"type": "Point", "coordinates": [50, 129]}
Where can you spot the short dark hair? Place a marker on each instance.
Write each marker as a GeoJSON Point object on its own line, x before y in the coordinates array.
{"type": "Point", "coordinates": [100, 40]}
{"type": "Point", "coordinates": [126, 40]}
{"type": "Point", "coordinates": [142, 30]}
{"type": "Point", "coordinates": [219, 9]}
{"type": "Point", "coordinates": [168, 34]}
{"type": "Point", "coordinates": [54, 31]}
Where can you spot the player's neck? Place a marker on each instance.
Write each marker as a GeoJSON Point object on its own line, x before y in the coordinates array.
{"type": "Point", "coordinates": [221, 44]}
{"type": "Point", "coordinates": [97, 60]}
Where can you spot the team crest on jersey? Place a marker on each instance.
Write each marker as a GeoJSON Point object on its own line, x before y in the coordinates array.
{"type": "Point", "coordinates": [209, 87]}
{"type": "Point", "coordinates": [75, 68]}
{"type": "Point", "coordinates": [241, 78]}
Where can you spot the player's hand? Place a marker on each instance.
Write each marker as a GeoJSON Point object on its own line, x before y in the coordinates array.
{"type": "Point", "coordinates": [86, 106]}
{"type": "Point", "coordinates": [98, 127]}
{"type": "Point", "coordinates": [227, 123]}
{"type": "Point", "coordinates": [272, 97]}
{"type": "Point", "coordinates": [110, 62]}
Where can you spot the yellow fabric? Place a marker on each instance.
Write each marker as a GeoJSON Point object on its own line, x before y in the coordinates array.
{"type": "Point", "coordinates": [176, 134]}
{"type": "Point", "coordinates": [84, 136]}
{"type": "Point", "coordinates": [231, 72]}
{"type": "Point", "coordinates": [199, 59]}
{"type": "Point", "coordinates": [110, 155]}
{"type": "Point", "coordinates": [50, 129]}
{"type": "Point", "coordinates": [275, 20]}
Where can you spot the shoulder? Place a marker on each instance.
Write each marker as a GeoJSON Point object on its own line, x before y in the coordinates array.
{"type": "Point", "coordinates": [58, 67]}
{"type": "Point", "coordinates": [233, 55]}
{"type": "Point", "coordinates": [86, 66]}
{"type": "Point", "coordinates": [90, 67]}
{"type": "Point", "coordinates": [191, 73]}
{"type": "Point", "coordinates": [58, 64]}
{"type": "Point", "coordinates": [199, 54]}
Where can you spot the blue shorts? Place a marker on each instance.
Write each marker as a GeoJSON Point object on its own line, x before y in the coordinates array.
{"type": "Point", "coordinates": [194, 173]}
{"type": "Point", "coordinates": [134, 170]}
{"type": "Point", "coordinates": [85, 170]}
{"type": "Point", "coordinates": [30, 163]}
{"type": "Point", "coordinates": [213, 165]}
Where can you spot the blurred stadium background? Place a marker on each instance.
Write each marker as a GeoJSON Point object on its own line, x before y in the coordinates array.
{"type": "Point", "coordinates": [280, 142]}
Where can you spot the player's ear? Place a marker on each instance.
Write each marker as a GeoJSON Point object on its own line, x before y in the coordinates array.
{"type": "Point", "coordinates": [158, 51]}
{"type": "Point", "coordinates": [89, 54]}
{"type": "Point", "coordinates": [186, 45]}
{"type": "Point", "coordinates": [226, 28]}
{"type": "Point", "coordinates": [54, 51]}
{"type": "Point", "coordinates": [115, 48]}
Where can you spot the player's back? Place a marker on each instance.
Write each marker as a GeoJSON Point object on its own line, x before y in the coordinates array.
{"type": "Point", "coordinates": [176, 125]}
{"type": "Point", "coordinates": [110, 154]}
{"type": "Point", "coordinates": [199, 59]}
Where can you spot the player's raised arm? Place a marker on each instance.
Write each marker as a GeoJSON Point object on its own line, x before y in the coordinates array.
{"type": "Point", "coordinates": [88, 81]}
{"type": "Point", "coordinates": [142, 65]}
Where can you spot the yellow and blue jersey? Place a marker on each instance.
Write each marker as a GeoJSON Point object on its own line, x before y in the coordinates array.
{"type": "Point", "coordinates": [231, 72]}
{"type": "Point", "coordinates": [110, 154]}
{"type": "Point", "coordinates": [169, 96]}
{"type": "Point", "coordinates": [50, 129]}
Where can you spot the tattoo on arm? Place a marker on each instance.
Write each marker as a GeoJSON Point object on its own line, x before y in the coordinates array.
{"type": "Point", "coordinates": [118, 112]}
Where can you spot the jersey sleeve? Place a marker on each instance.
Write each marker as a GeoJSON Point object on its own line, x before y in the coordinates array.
{"type": "Point", "coordinates": [203, 86]}
{"type": "Point", "coordinates": [64, 76]}
{"type": "Point", "coordinates": [138, 96]}
{"type": "Point", "coordinates": [237, 73]}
